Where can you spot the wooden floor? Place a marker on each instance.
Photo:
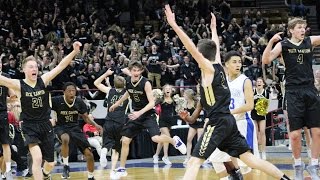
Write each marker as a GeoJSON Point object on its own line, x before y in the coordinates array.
{"type": "Point", "coordinates": [160, 172]}
{"type": "Point", "coordinates": [145, 169]}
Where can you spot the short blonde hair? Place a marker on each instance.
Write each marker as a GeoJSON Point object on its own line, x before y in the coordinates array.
{"type": "Point", "coordinates": [293, 22]}
{"type": "Point", "coordinates": [27, 59]}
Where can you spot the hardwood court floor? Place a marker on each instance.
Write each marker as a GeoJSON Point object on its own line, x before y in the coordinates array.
{"type": "Point", "coordinates": [144, 169]}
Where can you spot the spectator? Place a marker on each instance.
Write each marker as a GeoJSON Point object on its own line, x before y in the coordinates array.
{"type": "Point", "coordinates": [154, 68]}
{"type": "Point", "coordinates": [93, 136]}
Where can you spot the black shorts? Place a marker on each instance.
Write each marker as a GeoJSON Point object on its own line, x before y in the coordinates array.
{"type": "Point", "coordinates": [146, 121]}
{"type": "Point", "coordinates": [75, 134]}
{"type": "Point", "coordinates": [221, 132]}
{"type": "Point", "coordinates": [198, 124]}
{"type": "Point", "coordinates": [40, 133]}
{"type": "Point", "coordinates": [257, 117]}
{"type": "Point", "coordinates": [4, 128]}
{"type": "Point", "coordinates": [112, 135]}
{"type": "Point", "coordinates": [303, 106]}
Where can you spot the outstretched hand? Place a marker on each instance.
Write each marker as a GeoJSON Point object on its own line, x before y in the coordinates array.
{"type": "Point", "coordinates": [213, 24]}
{"type": "Point", "coordinates": [109, 72]}
{"type": "Point", "coordinates": [170, 15]}
{"type": "Point", "coordinates": [276, 37]}
{"type": "Point", "coordinates": [77, 45]}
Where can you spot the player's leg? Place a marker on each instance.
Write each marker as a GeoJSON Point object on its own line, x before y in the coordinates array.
{"type": "Point", "coordinates": [36, 155]}
{"type": "Point", "coordinates": [5, 141]}
{"type": "Point", "coordinates": [151, 124]}
{"type": "Point", "coordinates": [262, 165]}
{"type": "Point", "coordinates": [47, 149]}
{"type": "Point", "coordinates": [90, 162]}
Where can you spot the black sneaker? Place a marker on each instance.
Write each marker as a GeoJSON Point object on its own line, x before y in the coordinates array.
{"type": "Point", "coordinates": [236, 175]}
{"type": "Point", "coordinates": [65, 172]}
{"type": "Point", "coordinates": [91, 178]}
{"type": "Point", "coordinates": [28, 175]}
{"type": "Point", "coordinates": [47, 176]}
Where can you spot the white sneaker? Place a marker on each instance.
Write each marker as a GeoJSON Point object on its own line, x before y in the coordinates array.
{"type": "Point", "coordinates": [113, 175]}
{"type": "Point", "coordinates": [263, 155]}
{"type": "Point", "coordinates": [180, 145]}
{"type": "Point", "coordinates": [185, 162]}
{"type": "Point", "coordinates": [121, 172]}
{"type": "Point", "coordinates": [103, 161]}
{"type": "Point", "coordinates": [166, 160]}
{"type": "Point", "coordinates": [25, 172]}
{"type": "Point", "coordinates": [309, 152]}
{"type": "Point", "coordinates": [155, 159]}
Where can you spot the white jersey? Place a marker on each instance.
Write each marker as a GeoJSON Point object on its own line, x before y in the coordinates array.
{"type": "Point", "coordinates": [237, 96]}
{"type": "Point", "coordinates": [244, 121]}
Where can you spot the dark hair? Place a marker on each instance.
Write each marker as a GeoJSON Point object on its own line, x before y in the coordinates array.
{"type": "Point", "coordinates": [135, 64]}
{"type": "Point", "coordinates": [208, 49]}
{"type": "Point", "coordinates": [230, 54]}
{"type": "Point", "coordinates": [65, 85]}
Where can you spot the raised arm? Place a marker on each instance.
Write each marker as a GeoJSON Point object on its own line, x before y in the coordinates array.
{"type": "Point", "coordinates": [13, 84]}
{"type": "Point", "coordinates": [270, 54]}
{"type": "Point", "coordinates": [204, 63]}
{"type": "Point", "coordinates": [248, 95]}
{"type": "Point", "coordinates": [101, 86]}
{"type": "Point", "coordinates": [215, 37]}
{"type": "Point", "coordinates": [120, 101]}
{"type": "Point", "coordinates": [47, 77]}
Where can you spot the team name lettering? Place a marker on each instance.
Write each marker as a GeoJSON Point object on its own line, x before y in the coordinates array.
{"type": "Point", "coordinates": [68, 112]}
{"type": "Point", "coordinates": [35, 94]}
{"type": "Point", "coordinates": [301, 51]}
{"type": "Point", "coordinates": [132, 91]}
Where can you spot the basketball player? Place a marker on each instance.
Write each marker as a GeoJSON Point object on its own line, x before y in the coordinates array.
{"type": "Point", "coordinates": [68, 107]}
{"type": "Point", "coordinates": [114, 120]}
{"type": "Point", "coordinates": [34, 97]}
{"type": "Point", "coordinates": [143, 116]}
{"type": "Point", "coordinates": [240, 106]}
{"type": "Point", "coordinates": [4, 127]}
{"type": "Point", "coordinates": [221, 130]}
{"type": "Point", "coordinates": [302, 98]}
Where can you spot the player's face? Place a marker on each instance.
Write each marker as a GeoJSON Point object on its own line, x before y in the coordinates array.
{"type": "Point", "coordinates": [136, 73]}
{"type": "Point", "coordinates": [299, 31]}
{"type": "Point", "coordinates": [70, 93]}
{"type": "Point", "coordinates": [31, 70]}
{"type": "Point", "coordinates": [234, 65]}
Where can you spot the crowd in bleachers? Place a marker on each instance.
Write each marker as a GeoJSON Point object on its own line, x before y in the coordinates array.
{"type": "Point", "coordinates": [46, 29]}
